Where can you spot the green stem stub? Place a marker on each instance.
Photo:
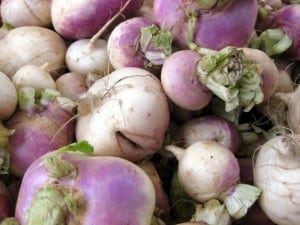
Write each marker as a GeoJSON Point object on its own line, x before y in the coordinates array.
{"type": "Point", "coordinates": [272, 42]}
{"type": "Point", "coordinates": [231, 77]}
{"type": "Point", "coordinates": [58, 167]}
{"type": "Point", "coordinates": [240, 198]}
{"type": "Point", "coordinates": [212, 212]}
{"type": "Point", "coordinates": [51, 205]}
{"type": "Point", "coordinates": [4, 135]}
{"type": "Point", "coordinates": [26, 99]}
{"type": "Point", "coordinates": [156, 44]}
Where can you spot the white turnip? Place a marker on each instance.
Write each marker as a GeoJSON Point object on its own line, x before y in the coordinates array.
{"type": "Point", "coordinates": [276, 173]}
{"type": "Point", "coordinates": [26, 13]}
{"type": "Point", "coordinates": [8, 97]}
{"type": "Point", "coordinates": [32, 45]}
{"type": "Point", "coordinates": [208, 170]}
{"type": "Point", "coordinates": [124, 114]}
{"type": "Point", "coordinates": [33, 76]}
{"type": "Point", "coordinates": [70, 187]}
{"type": "Point", "coordinates": [90, 55]}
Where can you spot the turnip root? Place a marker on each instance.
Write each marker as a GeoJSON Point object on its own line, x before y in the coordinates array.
{"type": "Point", "coordinates": [229, 23]}
{"type": "Point", "coordinates": [72, 85]}
{"type": "Point", "coordinates": [40, 126]}
{"type": "Point", "coordinates": [140, 43]}
{"type": "Point", "coordinates": [124, 114]}
{"type": "Point", "coordinates": [293, 108]}
{"type": "Point", "coordinates": [8, 97]}
{"type": "Point", "coordinates": [207, 128]}
{"type": "Point", "coordinates": [32, 45]}
{"type": "Point", "coordinates": [70, 187]}
{"type": "Point", "coordinates": [26, 13]}
{"type": "Point", "coordinates": [276, 173]}
{"type": "Point", "coordinates": [33, 76]}
{"type": "Point", "coordinates": [180, 82]}
{"type": "Point", "coordinates": [82, 19]}
{"type": "Point", "coordinates": [208, 170]}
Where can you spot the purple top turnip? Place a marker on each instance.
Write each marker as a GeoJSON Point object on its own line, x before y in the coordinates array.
{"type": "Point", "coordinates": [139, 42]}
{"type": "Point", "coordinates": [231, 24]}
{"type": "Point", "coordinates": [82, 19]}
{"type": "Point", "coordinates": [67, 187]}
{"type": "Point", "coordinates": [38, 127]}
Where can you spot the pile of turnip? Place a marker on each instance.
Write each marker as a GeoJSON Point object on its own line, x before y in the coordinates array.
{"type": "Point", "coordinates": [149, 112]}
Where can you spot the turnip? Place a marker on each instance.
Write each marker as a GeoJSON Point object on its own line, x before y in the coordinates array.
{"type": "Point", "coordinates": [293, 108]}
{"type": "Point", "coordinates": [26, 13]}
{"type": "Point", "coordinates": [124, 114]}
{"type": "Point", "coordinates": [180, 81]}
{"type": "Point", "coordinates": [32, 45]}
{"type": "Point", "coordinates": [6, 204]}
{"type": "Point", "coordinates": [69, 187]}
{"type": "Point", "coordinates": [208, 127]}
{"type": "Point", "coordinates": [241, 77]}
{"type": "Point", "coordinates": [82, 19]}
{"type": "Point", "coordinates": [8, 97]}
{"type": "Point", "coordinates": [229, 23]}
{"type": "Point", "coordinates": [276, 173]}
{"type": "Point", "coordinates": [33, 76]}
{"type": "Point", "coordinates": [280, 33]}
{"type": "Point", "coordinates": [39, 126]}
{"type": "Point", "coordinates": [71, 85]}
{"type": "Point", "coordinates": [89, 55]}
{"type": "Point", "coordinates": [139, 42]}
{"type": "Point", "coordinates": [208, 170]}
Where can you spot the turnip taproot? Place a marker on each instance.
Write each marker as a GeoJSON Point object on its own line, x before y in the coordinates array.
{"type": "Point", "coordinates": [276, 173]}
{"type": "Point", "coordinates": [39, 126]}
{"type": "Point", "coordinates": [208, 170]}
{"type": "Point", "coordinates": [69, 187]}
{"type": "Point", "coordinates": [124, 114]}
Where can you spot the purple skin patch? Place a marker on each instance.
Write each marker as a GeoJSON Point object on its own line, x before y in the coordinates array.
{"type": "Point", "coordinates": [78, 22]}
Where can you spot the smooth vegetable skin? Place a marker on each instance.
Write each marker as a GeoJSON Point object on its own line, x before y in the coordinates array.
{"type": "Point", "coordinates": [124, 114]}
{"type": "Point", "coordinates": [75, 188]}
{"type": "Point", "coordinates": [82, 19]}
{"type": "Point", "coordinates": [276, 172]}
{"type": "Point", "coordinates": [231, 24]}
{"type": "Point", "coordinates": [5, 202]}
